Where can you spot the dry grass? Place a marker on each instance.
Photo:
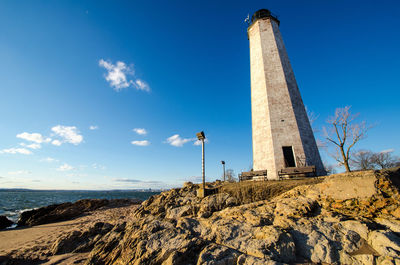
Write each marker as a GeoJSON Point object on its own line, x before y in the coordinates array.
{"type": "Point", "coordinates": [252, 191]}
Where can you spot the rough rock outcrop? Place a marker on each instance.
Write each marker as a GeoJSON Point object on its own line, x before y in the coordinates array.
{"type": "Point", "coordinates": [308, 224]}
{"type": "Point", "coordinates": [67, 242]}
{"type": "Point", "coordinates": [5, 222]}
{"type": "Point", "coordinates": [66, 211]}
{"type": "Point", "coordinates": [80, 241]}
{"type": "Point", "coordinates": [295, 224]}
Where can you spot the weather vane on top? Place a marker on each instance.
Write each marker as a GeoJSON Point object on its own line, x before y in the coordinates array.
{"type": "Point", "coordinates": [247, 19]}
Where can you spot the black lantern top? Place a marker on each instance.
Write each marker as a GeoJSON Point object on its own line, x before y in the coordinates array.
{"type": "Point", "coordinates": [262, 13]}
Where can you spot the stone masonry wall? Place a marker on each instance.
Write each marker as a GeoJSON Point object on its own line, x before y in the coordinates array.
{"type": "Point", "coordinates": [278, 114]}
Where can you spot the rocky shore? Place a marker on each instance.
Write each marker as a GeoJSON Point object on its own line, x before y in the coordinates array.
{"type": "Point", "coordinates": [62, 232]}
{"type": "Point", "coordinates": [66, 211]}
{"type": "Point", "coordinates": [340, 219]}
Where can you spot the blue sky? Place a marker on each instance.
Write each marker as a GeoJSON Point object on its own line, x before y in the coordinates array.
{"type": "Point", "coordinates": [68, 109]}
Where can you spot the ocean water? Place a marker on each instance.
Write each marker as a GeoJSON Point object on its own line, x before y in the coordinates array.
{"type": "Point", "coordinates": [12, 202]}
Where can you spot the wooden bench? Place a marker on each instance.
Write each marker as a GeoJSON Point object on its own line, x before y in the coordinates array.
{"type": "Point", "coordinates": [292, 171]}
{"type": "Point", "coordinates": [253, 175]}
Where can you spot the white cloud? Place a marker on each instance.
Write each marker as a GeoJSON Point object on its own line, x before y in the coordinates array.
{"type": "Point", "coordinates": [49, 160]}
{"type": "Point", "coordinates": [23, 151]}
{"type": "Point", "coordinates": [65, 167]}
{"type": "Point", "coordinates": [140, 131]}
{"type": "Point", "coordinates": [33, 137]}
{"type": "Point", "coordinates": [142, 85]}
{"type": "Point", "coordinates": [80, 175]}
{"type": "Point", "coordinates": [194, 179]}
{"type": "Point", "coordinates": [128, 180]}
{"type": "Point", "coordinates": [98, 166]}
{"type": "Point", "coordinates": [56, 142]}
{"type": "Point", "coordinates": [69, 134]}
{"type": "Point", "coordinates": [176, 140]}
{"type": "Point", "coordinates": [387, 151]}
{"type": "Point", "coordinates": [117, 76]}
{"type": "Point", "coordinates": [93, 127]}
{"type": "Point", "coordinates": [141, 143]}
{"type": "Point", "coordinates": [19, 172]}
{"type": "Point", "coordinates": [34, 146]}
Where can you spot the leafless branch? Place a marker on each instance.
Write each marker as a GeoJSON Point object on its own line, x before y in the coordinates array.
{"type": "Point", "coordinates": [344, 133]}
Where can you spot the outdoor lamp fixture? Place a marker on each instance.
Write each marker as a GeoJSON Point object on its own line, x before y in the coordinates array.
{"type": "Point", "coordinates": [201, 138]}
{"type": "Point", "coordinates": [223, 166]}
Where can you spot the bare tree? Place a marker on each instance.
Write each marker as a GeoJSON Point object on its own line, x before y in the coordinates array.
{"type": "Point", "coordinates": [385, 159]}
{"type": "Point", "coordinates": [230, 175]}
{"type": "Point", "coordinates": [362, 160]}
{"type": "Point", "coordinates": [344, 133]}
{"type": "Point", "coordinates": [312, 117]}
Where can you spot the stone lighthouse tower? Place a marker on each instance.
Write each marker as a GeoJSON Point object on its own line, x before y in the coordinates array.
{"type": "Point", "coordinates": [282, 135]}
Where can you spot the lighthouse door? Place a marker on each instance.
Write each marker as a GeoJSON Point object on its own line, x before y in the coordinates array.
{"type": "Point", "coordinates": [288, 156]}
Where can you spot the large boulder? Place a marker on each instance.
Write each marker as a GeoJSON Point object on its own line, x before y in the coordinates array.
{"type": "Point", "coordinates": [386, 243]}
{"type": "Point", "coordinates": [324, 242]}
{"type": "Point", "coordinates": [80, 241]}
{"type": "Point", "coordinates": [214, 254]}
{"type": "Point", "coordinates": [5, 222]}
{"type": "Point", "coordinates": [68, 210]}
{"type": "Point", "coordinates": [214, 203]}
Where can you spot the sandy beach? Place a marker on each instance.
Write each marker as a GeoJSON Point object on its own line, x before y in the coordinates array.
{"type": "Point", "coordinates": [37, 243]}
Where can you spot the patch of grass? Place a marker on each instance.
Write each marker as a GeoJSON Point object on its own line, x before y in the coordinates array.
{"type": "Point", "coordinates": [252, 191]}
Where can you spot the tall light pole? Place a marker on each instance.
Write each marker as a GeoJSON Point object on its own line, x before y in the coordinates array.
{"type": "Point", "coordinates": [223, 166]}
{"type": "Point", "coordinates": [202, 137]}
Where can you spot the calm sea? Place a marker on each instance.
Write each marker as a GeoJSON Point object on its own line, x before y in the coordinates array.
{"type": "Point", "coordinates": [12, 203]}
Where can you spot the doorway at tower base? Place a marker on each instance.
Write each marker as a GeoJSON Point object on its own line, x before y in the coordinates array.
{"type": "Point", "coordinates": [284, 173]}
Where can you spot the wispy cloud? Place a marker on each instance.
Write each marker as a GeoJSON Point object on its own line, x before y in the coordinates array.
{"type": "Point", "coordinates": [93, 127]}
{"type": "Point", "coordinates": [33, 137]}
{"type": "Point", "coordinates": [14, 150]}
{"type": "Point", "coordinates": [136, 183]}
{"type": "Point", "coordinates": [141, 143]}
{"type": "Point", "coordinates": [65, 167]}
{"type": "Point", "coordinates": [387, 151]}
{"type": "Point", "coordinates": [194, 179]}
{"type": "Point", "coordinates": [98, 166]}
{"type": "Point", "coordinates": [49, 160]}
{"type": "Point", "coordinates": [128, 180]}
{"type": "Point", "coordinates": [80, 175]}
{"type": "Point", "coordinates": [68, 134]}
{"type": "Point", "coordinates": [56, 142]}
{"type": "Point", "coordinates": [140, 131]}
{"type": "Point", "coordinates": [198, 142]}
{"type": "Point", "coordinates": [32, 146]}
{"type": "Point", "coordinates": [176, 140]}
{"type": "Point", "coordinates": [19, 172]}
{"type": "Point", "coordinates": [118, 76]}
{"type": "Point", "coordinates": [142, 85]}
